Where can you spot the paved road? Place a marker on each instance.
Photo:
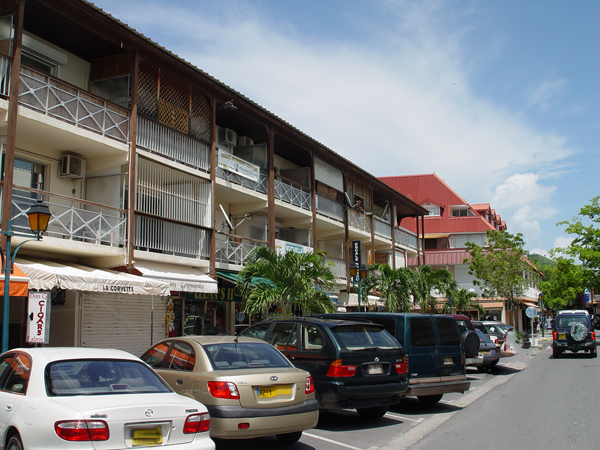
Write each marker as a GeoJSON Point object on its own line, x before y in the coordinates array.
{"type": "Point", "coordinates": [405, 424]}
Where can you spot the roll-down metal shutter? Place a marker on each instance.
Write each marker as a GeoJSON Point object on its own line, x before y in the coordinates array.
{"type": "Point", "coordinates": [126, 322]}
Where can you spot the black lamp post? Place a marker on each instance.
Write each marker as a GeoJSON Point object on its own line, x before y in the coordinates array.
{"type": "Point", "coordinates": [39, 217]}
{"type": "Point", "coordinates": [358, 273]}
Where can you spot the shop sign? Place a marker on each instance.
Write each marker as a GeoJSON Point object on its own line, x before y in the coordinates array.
{"type": "Point", "coordinates": [239, 166]}
{"type": "Point", "coordinates": [38, 325]}
{"type": "Point", "coordinates": [223, 294]}
{"type": "Point", "coordinates": [282, 247]}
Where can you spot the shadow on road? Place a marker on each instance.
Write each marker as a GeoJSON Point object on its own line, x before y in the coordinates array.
{"type": "Point", "coordinates": [266, 443]}
{"type": "Point", "coordinates": [571, 355]}
{"type": "Point", "coordinates": [410, 406]}
{"type": "Point", "coordinates": [341, 420]}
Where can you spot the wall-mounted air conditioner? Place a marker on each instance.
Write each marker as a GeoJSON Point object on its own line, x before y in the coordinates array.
{"type": "Point", "coordinates": [244, 141]}
{"type": "Point", "coordinates": [72, 167]}
{"type": "Point", "coordinates": [227, 136]}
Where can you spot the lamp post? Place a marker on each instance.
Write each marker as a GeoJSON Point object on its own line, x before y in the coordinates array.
{"type": "Point", "coordinates": [39, 216]}
{"type": "Point", "coordinates": [358, 273]}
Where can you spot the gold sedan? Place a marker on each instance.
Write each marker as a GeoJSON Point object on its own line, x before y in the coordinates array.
{"type": "Point", "coordinates": [249, 388]}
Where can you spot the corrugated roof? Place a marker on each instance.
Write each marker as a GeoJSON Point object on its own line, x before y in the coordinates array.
{"type": "Point", "coordinates": [441, 257]}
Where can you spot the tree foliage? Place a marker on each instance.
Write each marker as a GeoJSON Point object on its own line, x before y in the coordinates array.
{"type": "Point", "coordinates": [586, 244]}
{"type": "Point", "coordinates": [499, 267]}
{"type": "Point", "coordinates": [296, 281]}
{"type": "Point", "coordinates": [561, 283]}
{"type": "Point", "coordinates": [426, 279]}
{"type": "Point", "coordinates": [394, 286]}
{"type": "Point", "coordinates": [460, 301]}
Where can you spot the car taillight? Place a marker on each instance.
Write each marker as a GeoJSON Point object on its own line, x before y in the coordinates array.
{"type": "Point", "coordinates": [593, 334]}
{"type": "Point", "coordinates": [402, 366]}
{"type": "Point", "coordinates": [554, 335]}
{"type": "Point", "coordinates": [82, 430]}
{"type": "Point", "coordinates": [309, 387]}
{"type": "Point", "coordinates": [336, 369]}
{"type": "Point", "coordinates": [223, 389]}
{"type": "Point", "coordinates": [197, 423]}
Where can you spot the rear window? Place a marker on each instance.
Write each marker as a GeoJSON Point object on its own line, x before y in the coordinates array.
{"type": "Point", "coordinates": [229, 356]}
{"type": "Point", "coordinates": [448, 332]}
{"type": "Point", "coordinates": [422, 333]}
{"type": "Point", "coordinates": [569, 321]}
{"type": "Point", "coordinates": [101, 377]}
{"type": "Point", "coordinates": [356, 337]}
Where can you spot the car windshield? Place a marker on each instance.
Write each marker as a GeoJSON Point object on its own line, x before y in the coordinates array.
{"type": "Point", "coordinates": [241, 355]}
{"type": "Point", "coordinates": [360, 337]}
{"type": "Point", "coordinates": [483, 337]}
{"type": "Point", "coordinates": [569, 321]}
{"type": "Point", "coordinates": [101, 377]}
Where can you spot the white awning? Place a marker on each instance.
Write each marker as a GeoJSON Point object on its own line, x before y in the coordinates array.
{"type": "Point", "coordinates": [44, 275]}
{"type": "Point", "coordinates": [179, 278]}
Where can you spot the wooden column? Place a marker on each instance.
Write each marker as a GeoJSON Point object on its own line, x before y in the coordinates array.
{"type": "Point", "coordinates": [132, 179]}
{"type": "Point", "coordinates": [271, 189]}
{"type": "Point", "coordinates": [13, 112]}
{"type": "Point", "coordinates": [313, 195]}
{"type": "Point", "coordinates": [213, 180]}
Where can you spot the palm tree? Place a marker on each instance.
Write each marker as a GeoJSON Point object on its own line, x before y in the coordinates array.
{"type": "Point", "coordinates": [293, 281]}
{"type": "Point", "coordinates": [393, 285]}
{"type": "Point", "coordinates": [425, 279]}
{"type": "Point", "coordinates": [461, 301]}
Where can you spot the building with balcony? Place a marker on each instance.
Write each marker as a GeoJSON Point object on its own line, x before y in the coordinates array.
{"type": "Point", "coordinates": [450, 224]}
{"type": "Point", "coordinates": [161, 180]}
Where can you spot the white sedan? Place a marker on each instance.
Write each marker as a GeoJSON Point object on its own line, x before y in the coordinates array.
{"type": "Point", "coordinates": [87, 398]}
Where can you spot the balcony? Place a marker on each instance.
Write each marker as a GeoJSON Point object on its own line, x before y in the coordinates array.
{"type": "Point", "coordinates": [359, 220]}
{"type": "Point", "coordinates": [172, 144]}
{"type": "Point", "coordinates": [330, 208]}
{"type": "Point", "coordinates": [382, 228]}
{"type": "Point", "coordinates": [293, 193]}
{"type": "Point", "coordinates": [233, 249]}
{"type": "Point", "coordinates": [338, 266]}
{"type": "Point", "coordinates": [55, 98]}
{"type": "Point", "coordinates": [72, 219]}
{"type": "Point", "coordinates": [405, 238]}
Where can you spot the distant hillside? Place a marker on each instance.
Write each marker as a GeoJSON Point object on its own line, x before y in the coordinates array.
{"type": "Point", "coordinates": [540, 260]}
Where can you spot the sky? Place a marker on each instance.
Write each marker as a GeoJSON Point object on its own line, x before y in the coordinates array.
{"type": "Point", "coordinates": [501, 99]}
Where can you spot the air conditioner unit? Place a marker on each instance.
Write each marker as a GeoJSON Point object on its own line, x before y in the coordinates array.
{"type": "Point", "coordinates": [227, 136]}
{"type": "Point", "coordinates": [72, 167]}
{"type": "Point", "coordinates": [244, 141]}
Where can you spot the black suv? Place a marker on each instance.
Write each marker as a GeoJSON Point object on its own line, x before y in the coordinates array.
{"type": "Point", "coordinates": [356, 365]}
{"type": "Point", "coordinates": [573, 331]}
{"type": "Point", "coordinates": [436, 358]}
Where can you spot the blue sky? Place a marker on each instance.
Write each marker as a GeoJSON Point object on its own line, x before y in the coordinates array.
{"type": "Point", "coordinates": [500, 98]}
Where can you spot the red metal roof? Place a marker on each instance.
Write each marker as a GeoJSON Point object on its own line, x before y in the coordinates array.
{"type": "Point", "coordinates": [445, 257]}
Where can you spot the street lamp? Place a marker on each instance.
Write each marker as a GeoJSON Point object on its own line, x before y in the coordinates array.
{"type": "Point", "coordinates": [39, 216]}
{"type": "Point", "coordinates": [358, 273]}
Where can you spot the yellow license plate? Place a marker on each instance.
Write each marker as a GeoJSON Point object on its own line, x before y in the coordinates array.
{"type": "Point", "coordinates": [485, 352]}
{"type": "Point", "coordinates": [562, 335]}
{"type": "Point", "coordinates": [272, 391]}
{"type": "Point", "coordinates": [147, 436]}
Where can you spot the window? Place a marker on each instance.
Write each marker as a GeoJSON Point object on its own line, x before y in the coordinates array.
{"type": "Point", "coordinates": [16, 373]}
{"type": "Point", "coordinates": [181, 357]}
{"type": "Point", "coordinates": [433, 209]}
{"type": "Point", "coordinates": [447, 331]}
{"type": "Point", "coordinates": [284, 337]}
{"type": "Point", "coordinates": [422, 333]}
{"type": "Point", "coordinates": [259, 331]}
{"type": "Point", "coordinates": [357, 337]}
{"type": "Point", "coordinates": [461, 211]}
{"type": "Point", "coordinates": [155, 355]}
{"type": "Point", "coordinates": [40, 64]}
{"type": "Point", "coordinates": [245, 354]}
{"type": "Point", "coordinates": [313, 338]}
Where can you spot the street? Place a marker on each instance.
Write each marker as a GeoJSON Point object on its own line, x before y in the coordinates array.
{"type": "Point", "coordinates": [527, 400]}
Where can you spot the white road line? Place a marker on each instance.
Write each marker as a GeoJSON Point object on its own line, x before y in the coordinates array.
{"type": "Point", "coordinates": [398, 416]}
{"type": "Point", "coordinates": [331, 441]}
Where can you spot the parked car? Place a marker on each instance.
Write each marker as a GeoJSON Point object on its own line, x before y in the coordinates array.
{"type": "Point", "coordinates": [436, 358]}
{"type": "Point", "coordinates": [489, 351]}
{"type": "Point", "coordinates": [481, 327]}
{"type": "Point", "coordinates": [497, 329]}
{"type": "Point", "coordinates": [250, 389]}
{"type": "Point", "coordinates": [573, 331]}
{"type": "Point", "coordinates": [469, 339]}
{"type": "Point", "coordinates": [72, 397]}
{"type": "Point", "coordinates": [355, 365]}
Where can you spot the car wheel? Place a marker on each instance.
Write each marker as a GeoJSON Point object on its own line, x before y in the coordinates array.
{"type": "Point", "coordinates": [556, 353]}
{"type": "Point", "coordinates": [289, 438]}
{"type": "Point", "coordinates": [594, 353]}
{"type": "Point", "coordinates": [14, 443]}
{"type": "Point", "coordinates": [376, 412]}
{"type": "Point", "coordinates": [430, 399]}
{"type": "Point", "coordinates": [484, 369]}
{"type": "Point", "coordinates": [471, 343]}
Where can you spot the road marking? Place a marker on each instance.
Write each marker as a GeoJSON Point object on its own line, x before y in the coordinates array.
{"type": "Point", "coordinates": [331, 441]}
{"type": "Point", "coordinates": [398, 416]}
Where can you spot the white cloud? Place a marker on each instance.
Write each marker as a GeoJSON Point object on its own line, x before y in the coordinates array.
{"type": "Point", "coordinates": [562, 241]}
{"type": "Point", "coordinates": [546, 93]}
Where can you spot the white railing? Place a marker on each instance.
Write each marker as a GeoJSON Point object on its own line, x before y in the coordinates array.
{"type": "Point", "coordinates": [359, 220]}
{"type": "Point", "coordinates": [471, 288]}
{"type": "Point", "coordinates": [338, 266]}
{"type": "Point", "coordinates": [330, 208]}
{"type": "Point", "coordinates": [61, 100]}
{"type": "Point", "coordinates": [292, 193]}
{"type": "Point", "coordinates": [172, 144]}
{"type": "Point", "coordinates": [72, 219]}
{"type": "Point", "coordinates": [258, 186]}
{"type": "Point", "coordinates": [405, 238]}
{"type": "Point", "coordinates": [156, 235]}
{"type": "Point", "coordinates": [232, 249]}
{"type": "Point", "coordinates": [4, 75]}
{"type": "Point", "coordinates": [382, 228]}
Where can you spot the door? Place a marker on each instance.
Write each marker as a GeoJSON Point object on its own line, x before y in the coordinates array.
{"type": "Point", "coordinates": [451, 353]}
{"type": "Point", "coordinates": [424, 357]}
{"type": "Point", "coordinates": [15, 370]}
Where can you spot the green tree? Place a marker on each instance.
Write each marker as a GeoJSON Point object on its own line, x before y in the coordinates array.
{"type": "Point", "coordinates": [500, 267]}
{"type": "Point", "coordinates": [293, 281]}
{"type": "Point", "coordinates": [561, 283]}
{"type": "Point", "coordinates": [461, 301]}
{"type": "Point", "coordinates": [425, 279]}
{"type": "Point", "coordinates": [393, 285]}
{"type": "Point", "coordinates": [586, 243]}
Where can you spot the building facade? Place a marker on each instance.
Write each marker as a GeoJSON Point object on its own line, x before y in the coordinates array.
{"type": "Point", "coordinates": [158, 174]}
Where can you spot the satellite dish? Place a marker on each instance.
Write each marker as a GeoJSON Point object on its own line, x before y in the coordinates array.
{"type": "Point", "coordinates": [231, 227]}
